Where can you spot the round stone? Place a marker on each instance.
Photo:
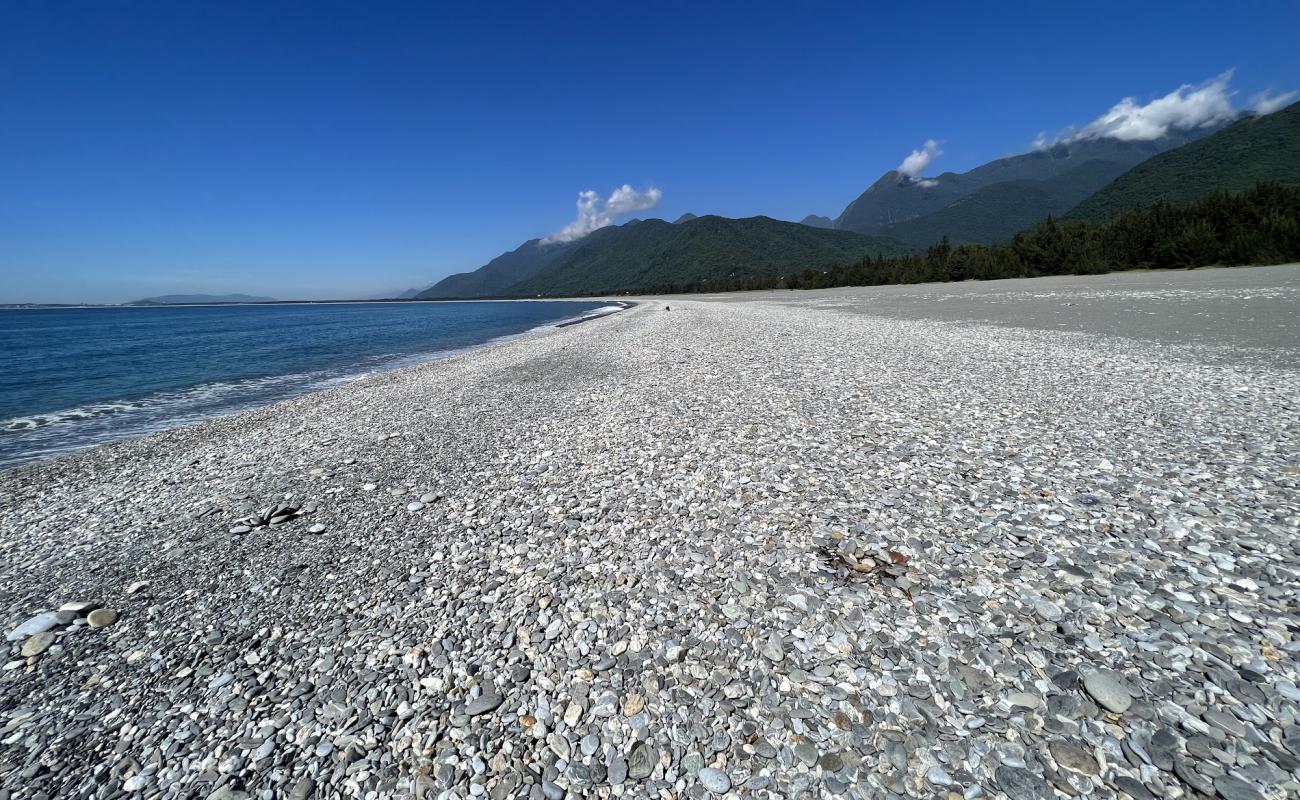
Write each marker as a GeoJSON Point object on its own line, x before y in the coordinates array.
{"type": "Point", "coordinates": [938, 776]}
{"type": "Point", "coordinates": [1107, 691]}
{"type": "Point", "coordinates": [102, 617]}
{"type": "Point", "coordinates": [1048, 610]}
{"type": "Point", "coordinates": [37, 644]}
{"type": "Point", "coordinates": [715, 780]}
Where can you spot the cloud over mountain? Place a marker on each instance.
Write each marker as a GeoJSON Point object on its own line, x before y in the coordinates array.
{"type": "Point", "coordinates": [919, 159]}
{"type": "Point", "coordinates": [1266, 102]}
{"type": "Point", "coordinates": [595, 212]}
{"type": "Point", "coordinates": [1185, 108]}
{"type": "Point", "coordinates": [1188, 107]}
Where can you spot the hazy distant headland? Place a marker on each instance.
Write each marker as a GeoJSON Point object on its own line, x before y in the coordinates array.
{"type": "Point", "coordinates": [199, 299]}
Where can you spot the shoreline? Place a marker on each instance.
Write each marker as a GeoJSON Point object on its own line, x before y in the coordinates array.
{"type": "Point", "coordinates": [322, 381]}
{"type": "Point", "coordinates": [831, 554]}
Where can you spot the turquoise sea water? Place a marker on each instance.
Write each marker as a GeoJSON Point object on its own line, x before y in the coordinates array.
{"type": "Point", "coordinates": [74, 377]}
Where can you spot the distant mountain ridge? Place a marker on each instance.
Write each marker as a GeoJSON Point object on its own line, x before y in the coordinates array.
{"type": "Point", "coordinates": [651, 255]}
{"type": "Point", "coordinates": [817, 221]}
{"type": "Point", "coordinates": [973, 206]}
{"type": "Point", "coordinates": [1234, 159]}
{"type": "Point", "coordinates": [998, 211]}
{"type": "Point", "coordinates": [199, 299]}
{"type": "Point", "coordinates": [897, 215]}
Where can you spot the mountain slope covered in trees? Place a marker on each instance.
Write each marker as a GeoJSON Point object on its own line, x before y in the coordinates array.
{"type": "Point", "coordinates": [494, 277]}
{"type": "Point", "coordinates": [1000, 210]}
{"type": "Point", "coordinates": [1234, 159]}
{"type": "Point", "coordinates": [968, 206]}
{"type": "Point", "coordinates": [1259, 226]}
{"type": "Point", "coordinates": [647, 255]}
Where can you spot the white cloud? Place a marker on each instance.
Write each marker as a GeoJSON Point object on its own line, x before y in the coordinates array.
{"type": "Point", "coordinates": [1266, 102]}
{"type": "Point", "coordinates": [919, 159]}
{"type": "Point", "coordinates": [1186, 108]}
{"type": "Point", "coordinates": [595, 212]}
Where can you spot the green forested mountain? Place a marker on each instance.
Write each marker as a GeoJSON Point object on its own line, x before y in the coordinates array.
{"type": "Point", "coordinates": [1000, 210]}
{"type": "Point", "coordinates": [494, 277]}
{"type": "Point", "coordinates": [1258, 226]}
{"type": "Point", "coordinates": [992, 203]}
{"type": "Point", "coordinates": [646, 255]}
{"type": "Point", "coordinates": [1234, 159]}
{"type": "Point", "coordinates": [895, 200]}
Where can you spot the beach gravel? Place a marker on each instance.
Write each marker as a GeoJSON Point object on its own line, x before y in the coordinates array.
{"type": "Point", "coordinates": [742, 549]}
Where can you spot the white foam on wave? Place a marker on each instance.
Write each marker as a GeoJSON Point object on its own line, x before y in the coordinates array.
{"type": "Point", "coordinates": [595, 313]}
{"type": "Point", "coordinates": [33, 437]}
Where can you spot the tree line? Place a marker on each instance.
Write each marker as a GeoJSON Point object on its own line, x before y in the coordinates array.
{"type": "Point", "coordinates": [1259, 226]}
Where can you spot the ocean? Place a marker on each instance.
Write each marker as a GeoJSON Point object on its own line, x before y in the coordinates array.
{"type": "Point", "coordinates": [76, 377]}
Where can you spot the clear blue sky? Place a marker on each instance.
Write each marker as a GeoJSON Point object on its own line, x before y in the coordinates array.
{"type": "Point", "coordinates": [328, 149]}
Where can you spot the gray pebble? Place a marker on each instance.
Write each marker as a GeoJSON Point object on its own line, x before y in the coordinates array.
{"type": "Point", "coordinates": [715, 780]}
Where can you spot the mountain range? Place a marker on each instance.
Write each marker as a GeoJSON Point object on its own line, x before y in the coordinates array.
{"type": "Point", "coordinates": [1088, 179]}
{"type": "Point", "coordinates": [654, 255]}
{"type": "Point", "coordinates": [1246, 152]}
{"type": "Point", "coordinates": [995, 200]}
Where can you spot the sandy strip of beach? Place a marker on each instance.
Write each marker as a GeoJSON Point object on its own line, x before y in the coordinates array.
{"type": "Point", "coordinates": [836, 544]}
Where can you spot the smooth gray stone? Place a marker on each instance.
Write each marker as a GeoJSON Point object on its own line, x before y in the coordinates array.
{"type": "Point", "coordinates": [488, 701]}
{"type": "Point", "coordinates": [1133, 788]}
{"type": "Point", "coordinates": [1230, 788]}
{"type": "Point", "coordinates": [101, 617]}
{"type": "Point", "coordinates": [1108, 692]}
{"type": "Point", "coordinates": [641, 762]}
{"type": "Point", "coordinates": [715, 780]}
{"type": "Point", "coordinates": [1074, 756]}
{"type": "Point", "coordinates": [38, 624]}
{"type": "Point", "coordinates": [617, 770]}
{"type": "Point", "coordinates": [302, 790]}
{"type": "Point", "coordinates": [37, 644]}
{"type": "Point", "coordinates": [1021, 784]}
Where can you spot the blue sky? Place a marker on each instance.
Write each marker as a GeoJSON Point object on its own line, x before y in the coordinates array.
{"type": "Point", "coordinates": [340, 149]}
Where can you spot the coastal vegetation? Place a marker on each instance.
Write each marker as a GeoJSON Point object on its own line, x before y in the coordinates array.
{"type": "Point", "coordinates": [1260, 226]}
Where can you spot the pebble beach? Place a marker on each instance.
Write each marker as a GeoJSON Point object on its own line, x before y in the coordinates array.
{"type": "Point", "coordinates": [783, 545]}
